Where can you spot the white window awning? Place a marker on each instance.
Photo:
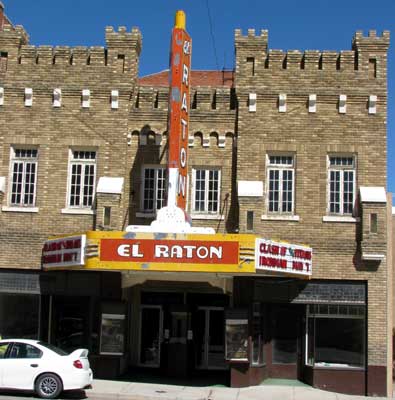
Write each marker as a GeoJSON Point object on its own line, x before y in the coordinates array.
{"type": "Point", "coordinates": [373, 194]}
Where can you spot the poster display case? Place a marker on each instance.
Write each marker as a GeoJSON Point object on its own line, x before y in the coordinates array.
{"type": "Point", "coordinates": [236, 336]}
{"type": "Point", "coordinates": [112, 334]}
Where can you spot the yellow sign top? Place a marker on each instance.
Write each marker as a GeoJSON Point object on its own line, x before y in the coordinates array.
{"type": "Point", "coordinates": [180, 20]}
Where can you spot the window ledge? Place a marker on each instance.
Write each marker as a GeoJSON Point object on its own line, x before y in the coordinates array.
{"type": "Point", "coordinates": [340, 218]}
{"type": "Point", "coordinates": [336, 366]}
{"type": "Point", "coordinates": [145, 215]}
{"type": "Point", "coordinates": [215, 217]}
{"type": "Point", "coordinates": [280, 217]}
{"type": "Point", "coordinates": [20, 209]}
{"type": "Point", "coordinates": [78, 211]}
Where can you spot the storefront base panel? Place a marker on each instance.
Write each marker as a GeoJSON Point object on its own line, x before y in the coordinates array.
{"type": "Point", "coordinates": [105, 367]}
{"type": "Point", "coordinates": [340, 381]}
{"type": "Point", "coordinates": [242, 375]}
{"type": "Point", "coordinates": [377, 380]}
{"type": "Point", "coordinates": [283, 371]}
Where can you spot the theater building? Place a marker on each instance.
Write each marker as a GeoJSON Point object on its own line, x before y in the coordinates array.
{"type": "Point", "coordinates": [286, 158]}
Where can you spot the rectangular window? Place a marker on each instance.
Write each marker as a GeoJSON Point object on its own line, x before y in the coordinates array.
{"type": "Point", "coordinates": [153, 190]}
{"type": "Point", "coordinates": [372, 68]}
{"type": "Point", "coordinates": [206, 190]}
{"type": "Point", "coordinates": [250, 66]}
{"type": "Point", "coordinates": [280, 188]}
{"type": "Point", "coordinates": [23, 177]}
{"type": "Point", "coordinates": [82, 177]}
{"type": "Point", "coordinates": [335, 335]}
{"type": "Point", "coordinates": [250, 220]}
{"type": "Point", "coordinates": [373, 223]}
{"type": "Point", "coordinates": [3, 61]}
{"type": "Point", "coordinates": [106, 216]}
{"type": "Point", "coordinates": [341, 185]}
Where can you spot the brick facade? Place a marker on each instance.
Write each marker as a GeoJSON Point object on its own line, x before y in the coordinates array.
{"type": "Point", "coordinates": [224, 133]}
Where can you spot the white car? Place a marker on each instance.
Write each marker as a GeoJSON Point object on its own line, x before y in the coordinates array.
{"type": "Point", "coordinates": [43, 368]}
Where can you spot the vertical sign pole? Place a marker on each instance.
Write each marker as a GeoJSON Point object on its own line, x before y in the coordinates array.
{"type": "Point", "coordinates": [178, 118]}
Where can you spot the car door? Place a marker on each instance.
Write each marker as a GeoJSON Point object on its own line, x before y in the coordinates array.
{"type": "Point", "coordinates": [21, 365]}
{"type": "Point", "coordinates": [4, 346]}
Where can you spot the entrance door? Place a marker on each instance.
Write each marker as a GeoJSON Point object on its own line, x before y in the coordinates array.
{"type": "Point", "coordinates": [210, 338]}
{"type": "Point", "coordinates": [151, 327]}
{"type": "Point", "coordinates": [286, 341]}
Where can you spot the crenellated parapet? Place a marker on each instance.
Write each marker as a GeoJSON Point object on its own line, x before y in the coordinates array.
{"type": "Point", "coordinates": [120, 57]}
{"type": "Point", "coordinates": [251, 40]}
{"type": "Point", "coordinates": [202, 98]}
{"type": "Point", "coordinates": [366, 60]}
{"type": "Point", "coordinates": [372, 41]}
{"type": "Point", "coordinates": [122, 39]}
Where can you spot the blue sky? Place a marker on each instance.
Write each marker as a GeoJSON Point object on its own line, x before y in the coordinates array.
{"type": "Point", "coordinates": [292, 24]}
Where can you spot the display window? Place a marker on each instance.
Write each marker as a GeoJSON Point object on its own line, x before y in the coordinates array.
{"type": "Point", "coordinates": [19, 315]}
{"type": "Point", "coordinates": [336, 336]}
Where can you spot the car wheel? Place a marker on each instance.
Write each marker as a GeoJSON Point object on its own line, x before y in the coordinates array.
{"type": "Point", "coordinates": [48, 386]}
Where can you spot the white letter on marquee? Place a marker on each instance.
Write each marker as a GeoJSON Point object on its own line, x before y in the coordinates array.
{"type": "Point", "coordinates": [189, 249]}
{"type": "Point", "coordinates": [216, 251]}
{"type": "Point", "coordinates": [123, 250]}
{"type": "Point", "coordinates": [176, 252]}
{"type": "Point", "coordinates": [161, 250]}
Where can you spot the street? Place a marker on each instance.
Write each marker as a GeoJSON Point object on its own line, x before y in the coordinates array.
{"type": "Point", "coordinates": [14, 395]}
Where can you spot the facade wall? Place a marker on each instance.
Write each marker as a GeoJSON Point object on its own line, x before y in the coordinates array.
{"type": "Point", "coordinates": [311, 138]}
{"type": "Point", "coordinates": [224, 134]}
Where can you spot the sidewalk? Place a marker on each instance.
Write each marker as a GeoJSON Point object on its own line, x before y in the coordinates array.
{"type": "Point", "coordinates": [110, 390]}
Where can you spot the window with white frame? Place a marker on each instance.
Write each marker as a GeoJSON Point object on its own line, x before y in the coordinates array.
{"type": "Point", "coordinates": [341, 184]}
{"type": "Point", "coordinates": [280, 183]}
{"type": "Point", "coordinates": [206, 190]}
{"type": "Point", "coordinates": [153, 188]}
{"type": "Point", "coordinates": [82, 178]}
{"type": "Point", "coordinates": [23, 177]}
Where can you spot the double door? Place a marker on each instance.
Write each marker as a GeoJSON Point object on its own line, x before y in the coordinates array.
{"type": "Point", "coordinates": [200, 334]}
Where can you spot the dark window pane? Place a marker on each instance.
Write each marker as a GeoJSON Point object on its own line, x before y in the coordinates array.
{"type": "Point", "coordinates": [339, 341]}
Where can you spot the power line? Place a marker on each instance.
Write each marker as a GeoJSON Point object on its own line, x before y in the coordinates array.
{"type": "Point", "coordinates": [212, 35]}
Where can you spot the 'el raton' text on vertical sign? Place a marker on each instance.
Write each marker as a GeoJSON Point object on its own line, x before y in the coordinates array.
{"type": "Point", "coordinates": [180, 73]}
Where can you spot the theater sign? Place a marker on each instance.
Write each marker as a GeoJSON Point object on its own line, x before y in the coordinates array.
{"type": "Point", "coordinates": [160, 252]}
{"type": "Point", "coordinates": [217, 253]}
{"type": "Point", "coordinates": [283, 258]}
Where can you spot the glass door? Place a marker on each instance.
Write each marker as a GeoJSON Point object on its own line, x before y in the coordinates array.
{"type": "Point", "coordinates": [286, 341]}
{"type": "Point", "coordinates": [210, 338]}
{"type": "Point", "coordinates": [151, 327]}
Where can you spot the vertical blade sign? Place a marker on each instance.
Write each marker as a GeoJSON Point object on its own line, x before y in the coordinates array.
{"type": "Point", "coordinates": [178, 120]}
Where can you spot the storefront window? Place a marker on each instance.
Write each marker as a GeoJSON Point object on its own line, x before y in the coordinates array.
{"type": "Point", "coordinates": [19, 316]}
{"type": "Point", "coordinates": [336, 336]}
{"type": "Point", "coordinates": [257, 352]}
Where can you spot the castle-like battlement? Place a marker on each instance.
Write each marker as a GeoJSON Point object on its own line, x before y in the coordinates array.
{"type": "Point", "coordinates": [120, 53]}
{"type": "Point", "coordinates": [366, 58]}
{"type": "Point", "coordinates": [372, 41]}
{"type": "Point", "coordinates": [251, 39]}
{"type": "Point", "coordinates": [123, 39]}
{"type": "Point", "coordinates": [202, 98]}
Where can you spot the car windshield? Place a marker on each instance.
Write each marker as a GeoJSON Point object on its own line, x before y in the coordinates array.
{"type": "Point", "coordinates": [53, 348]}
